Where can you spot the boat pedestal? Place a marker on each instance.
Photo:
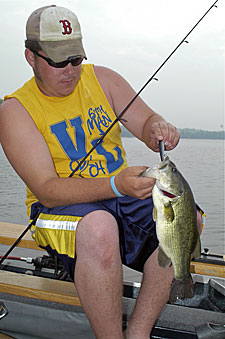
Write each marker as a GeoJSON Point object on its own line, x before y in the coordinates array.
{"type": "Point", "coordinates": [211, 330]}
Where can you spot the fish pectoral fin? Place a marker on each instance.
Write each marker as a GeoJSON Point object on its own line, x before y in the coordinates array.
{"type": "Point", "coordinates": [154, 214]}
{"type": "Point", "coordinates": [197, 250]}
{"type": "Point", "coordinates": [163, 260]}
{"type": "Point", "coordinates": [168, 212]}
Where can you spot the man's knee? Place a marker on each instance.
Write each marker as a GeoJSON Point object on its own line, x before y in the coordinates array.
{"type": "Point", "coordinates": [97, 237]}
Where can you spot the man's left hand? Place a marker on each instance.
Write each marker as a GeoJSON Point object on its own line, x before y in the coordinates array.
{"type": "Point", "coordinates": [166, 132]}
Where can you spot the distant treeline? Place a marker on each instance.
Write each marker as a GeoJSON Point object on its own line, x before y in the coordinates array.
{"type": "Point", "coordinates": [189, 133]}
{"type": "Point", "coordinates": [185, 133]}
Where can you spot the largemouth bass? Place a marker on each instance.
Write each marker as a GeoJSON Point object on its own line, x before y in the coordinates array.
{"type": "Point", "coordinates": [176, 225]}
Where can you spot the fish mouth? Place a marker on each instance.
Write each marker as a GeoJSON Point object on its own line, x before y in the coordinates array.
{"type": "Point", "coordinates": [166, 193]}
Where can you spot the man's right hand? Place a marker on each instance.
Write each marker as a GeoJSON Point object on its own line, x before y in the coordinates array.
{"type": "Point", "coordinates": [130, 182]}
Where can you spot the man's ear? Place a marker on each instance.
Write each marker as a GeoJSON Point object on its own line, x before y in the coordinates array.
{"type": "Point", "coordinates": [29, 55]}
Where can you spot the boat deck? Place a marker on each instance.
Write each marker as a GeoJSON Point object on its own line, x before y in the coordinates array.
{"type": "Point", "coordinates": [30, 293]}
{"type": "Point", "coordinates": [9, 233]}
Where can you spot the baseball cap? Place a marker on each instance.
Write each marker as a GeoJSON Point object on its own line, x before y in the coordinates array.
{"type": "Point", "coordinates": [57, 30]}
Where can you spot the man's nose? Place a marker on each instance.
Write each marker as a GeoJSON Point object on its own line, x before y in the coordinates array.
{"type": "Point", "coordinates": [70, 69]}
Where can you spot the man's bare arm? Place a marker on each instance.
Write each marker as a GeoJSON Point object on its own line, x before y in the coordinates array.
{"type": "Point", "coordinates": [139, 118]}
{"type": "Point", "coordinates": [29, 155]}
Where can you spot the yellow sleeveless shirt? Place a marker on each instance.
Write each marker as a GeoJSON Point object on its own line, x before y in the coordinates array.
{"type": "Point", "coordinates": [71, 126]}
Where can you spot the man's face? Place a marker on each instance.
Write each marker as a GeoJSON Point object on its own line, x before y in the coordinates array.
{"type": "Point", "coordinates": [52, 81]}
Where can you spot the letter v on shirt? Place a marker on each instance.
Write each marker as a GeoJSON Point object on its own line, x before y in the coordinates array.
{"type": "Point", "coordinates": [71, 126]}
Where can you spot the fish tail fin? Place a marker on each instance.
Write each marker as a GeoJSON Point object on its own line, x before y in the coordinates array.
{"type": "Point", "coordinates": [181, 289]}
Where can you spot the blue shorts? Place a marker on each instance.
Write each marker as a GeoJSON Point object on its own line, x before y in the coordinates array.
{"type": "Point", "coordinates": [56, 227]}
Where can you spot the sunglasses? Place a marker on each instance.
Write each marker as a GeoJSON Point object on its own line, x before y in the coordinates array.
{"type": "Point", "coordinates": [74, 60]}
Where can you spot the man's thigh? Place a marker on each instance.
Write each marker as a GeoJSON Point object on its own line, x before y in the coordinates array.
{"type": "Point", "coordinates": [55, 229]}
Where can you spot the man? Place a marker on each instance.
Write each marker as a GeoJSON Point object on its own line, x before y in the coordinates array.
{"type": "Point", "coordinates": [47, 127]}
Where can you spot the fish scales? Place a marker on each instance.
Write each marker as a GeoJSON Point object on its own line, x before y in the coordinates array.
{"type": "Point", "coordinates": [176, 225]}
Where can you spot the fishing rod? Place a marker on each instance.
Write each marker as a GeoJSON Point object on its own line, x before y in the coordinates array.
{"type": "Point", "coordinates": [17, 241]}
{"type": "Point", "coordinates": [139, 92]}
{"type": "Point", "coordinates": [114, 122]}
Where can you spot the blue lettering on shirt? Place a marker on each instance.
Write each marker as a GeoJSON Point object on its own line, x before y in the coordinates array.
{"type": "Point", "coordinates": [98, 118]}
{"type": "Point", "coordinates": [75, 153]}
{"type": "Point", "coordinates": [60, 131]}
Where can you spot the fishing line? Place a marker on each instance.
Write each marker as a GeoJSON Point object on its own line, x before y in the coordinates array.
{"type": "Point", "coordinates": [139, 92]}
{"type": "Point", "coordinates": [113, 123]}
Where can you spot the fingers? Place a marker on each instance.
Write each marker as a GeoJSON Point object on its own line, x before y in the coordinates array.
{"type": "Point", "coordinates": [172, 138]}
{"type": "Point", "coordinates": [166, 132]}
{"type": "Point", "coordinates": [160, 130]}
{"type": "Point", "coordinates": [130, 182]}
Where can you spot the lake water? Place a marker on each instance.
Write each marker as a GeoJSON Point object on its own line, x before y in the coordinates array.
{"type": "Point", "coordinates": [200, 161]}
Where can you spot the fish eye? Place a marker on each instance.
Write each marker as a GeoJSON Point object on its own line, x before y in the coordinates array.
{"type": "Point", "coordinates": [174, 169]}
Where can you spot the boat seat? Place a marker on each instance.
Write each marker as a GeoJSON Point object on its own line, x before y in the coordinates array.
{"type": "Point", "coordinates": [28, 286]}
{"type": "Point", "coordinates": [10, 232]}
{"type": "Point", "coordinates": [4, 336]}
{"type": "Point", "coordinates": [208, 269]}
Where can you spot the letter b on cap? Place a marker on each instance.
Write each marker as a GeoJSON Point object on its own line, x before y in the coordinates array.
{"type": "Point", "coordinates": [66, 26]}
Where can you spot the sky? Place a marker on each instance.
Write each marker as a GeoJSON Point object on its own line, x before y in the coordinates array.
{"type": "Point", "coordinates": [134, 38]}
